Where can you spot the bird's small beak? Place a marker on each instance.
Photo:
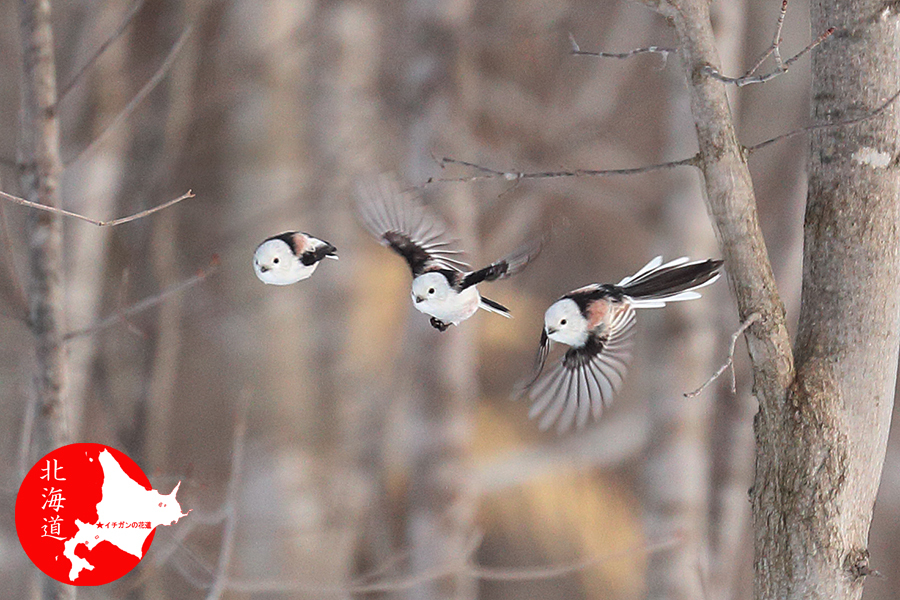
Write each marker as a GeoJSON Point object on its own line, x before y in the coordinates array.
{"type": "Point", "coordinates": [263, 269]}
{"type": "Point", "coordinates": [551, 330]}
{"type": "Point", "coordinates": [418, 299]}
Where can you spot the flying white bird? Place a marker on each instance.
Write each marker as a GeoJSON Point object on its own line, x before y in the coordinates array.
{"type": "Point", "coordinates": [442, 287]}
{"type": "Point", "coordinates": [290, 257]}
{"type": "Point", "coordinates": [597, 323]}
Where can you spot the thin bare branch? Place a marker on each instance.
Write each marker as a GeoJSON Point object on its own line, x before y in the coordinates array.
{"type": "Point", "coordinates": [113, 223]}
{"type": "Point", "coordinates": [692, 161]}
{"type": "Point", "coordinates": [163, 70]}
{"type": "Point", "coordinates": [779, 70]}
{"type": "Point", "coordinates": [493, 574]}
{"type": "Point", "coordinates": [440, 571]}
{"type": "Point", "coordinates": [775, 47]}
{"type": "Point", "coordinates": [132, 13]}
{"type": "Point", "coordinates": [753, 318]}
{"type": "Point", "coordinates": [220, 577]}
{"type": "Point", "coordinates": [122, 315]}
{"type": "Point", "coordinates": [662, 51]}
{"type": "Point", "coordinates": [488, 173]}
{"type": "Point", "coordinates": [790, 134]}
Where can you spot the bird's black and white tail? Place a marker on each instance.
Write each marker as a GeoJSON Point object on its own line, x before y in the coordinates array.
{"type": "Point", "coordinates": [656, 283]}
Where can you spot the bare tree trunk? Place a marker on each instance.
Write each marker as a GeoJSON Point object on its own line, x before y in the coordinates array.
{"type": "Point", "coordinates": [90, 188]}
{"type": "Point", "coordinates": [680, 456]}
{"type": "Point", "coordinates": [441, 503]}
{"type": "Point", "coordinates": [820, 438]}
{"type": "Point", "coordinates": [821, 454]}
{"type": "Point", "coordinates": [39, 155]}
{"type": "Point", "coordinates": [677, 468]}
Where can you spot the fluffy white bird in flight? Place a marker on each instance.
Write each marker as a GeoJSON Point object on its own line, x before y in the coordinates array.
{"type": "Point", "coordinates": [597, 323]}
{"type": "Point", "coordinates": [442, 287]}
{"type": "Point", "coordinates": [290, 257]}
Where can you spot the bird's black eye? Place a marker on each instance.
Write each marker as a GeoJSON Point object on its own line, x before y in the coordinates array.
{"type": "Point", "coordinates": [430, 290]}
{"type": "Point", "coordinates": [563, 322]}
{"type": "Point", "coordinates": [275, 260]}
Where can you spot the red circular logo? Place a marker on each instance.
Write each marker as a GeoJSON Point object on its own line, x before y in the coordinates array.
{"type": "Point", "coordinates": [86, 514]}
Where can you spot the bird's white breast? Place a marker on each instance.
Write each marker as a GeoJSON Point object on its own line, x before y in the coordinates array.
{"type": "Point", "coordinates": [456, 307]}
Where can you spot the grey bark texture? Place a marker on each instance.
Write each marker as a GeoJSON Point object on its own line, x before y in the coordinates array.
{"type": "Point", "coordinates": [441, 500]}
{"type": "Point", "coordinates": [822, 451]}
{"type": "Point", "coordinates": [820, 435]}
{"type": "Point", "coordinates": [39, 155]}
{"type": "Point", "coordinates": [41, 167]}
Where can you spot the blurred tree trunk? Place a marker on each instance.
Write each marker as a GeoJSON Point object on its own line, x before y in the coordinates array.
{"type": "Point", "coordinates": [441, 508]}
{"type": "Point", "coordinates": [821, 430]}
{"type": "Point", "coordinates": [820, 454]}
{"type": "Point", "coordinates": [41, 168]}
{"type": "Point", "coordinates": [130, 358]}
{"type": "Point", "coordinates": [341, 135]}
{"type": "Point", "coordinates": [687, 342]}
{"type": "Point", "coordinates": [39, 155]}
{"type": "Point", "coordinates": [90, 187]}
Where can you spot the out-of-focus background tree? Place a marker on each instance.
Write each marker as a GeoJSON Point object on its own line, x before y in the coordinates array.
{"type": "Point", "coordinates": [381, 457]}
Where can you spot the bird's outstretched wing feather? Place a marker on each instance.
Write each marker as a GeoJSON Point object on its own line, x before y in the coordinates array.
{"type": "Point", "coordinates": [398, 219]}
{"type": "Point", "coordinates": [506, 266]}
{"type": "Point", "coordinates": [585, 381]}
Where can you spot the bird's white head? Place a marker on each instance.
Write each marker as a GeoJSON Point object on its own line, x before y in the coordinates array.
{"type": "Point", "coordinates": [564, 323]}
{"type": "Point", "coordinates": [276, 264]}
{"type": "Point", "coordinates": [429, 289]}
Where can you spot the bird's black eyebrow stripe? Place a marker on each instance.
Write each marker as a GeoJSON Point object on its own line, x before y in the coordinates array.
{"type": "Point", "coordinates": [583, 299]}
{"type": "Point", "coordinates": [288, 238]}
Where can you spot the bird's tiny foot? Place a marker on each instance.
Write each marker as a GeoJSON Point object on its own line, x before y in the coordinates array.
{"type": "Point", "coordinates": [439, 325]}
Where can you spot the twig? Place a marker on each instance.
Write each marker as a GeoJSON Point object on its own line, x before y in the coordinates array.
{"type": "Point", "coordinates": [488, 173]}
{"type": "Point", "coordinates": [220, 577]}
{"type": "Point", "coordinates": [775, 48]}
{"type": "Point", "coordinates": [135, 8]}
{"type": "Point", "coordinates": [440, 571]}
{"type": "Point", "coordinates": [123, 314]}
{"type": "Point", "coordinates": [113, 223]}
{"type": "Point", "coordinates": [663, 52]}
{"type": "Point", "coordinates": [817, 126]}
{"type": "Point", "coordinates": [692, 161]}
{"type": "Point", "coordinates": [122, 295]}
{"type": "Point", "coordinates": [139, 97]}
{"type": "Point", "coordinates": [753, 318]}
{"type": "Point", "coordinates": [493, 574]}
{"type": "Point", "coordinates": [780, 70]}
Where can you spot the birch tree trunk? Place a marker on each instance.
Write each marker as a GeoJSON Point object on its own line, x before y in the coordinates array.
{"type": "Point", "coordinates": [820, 434]}
{"type": "Point", "coordinates": [820, 456]}
{"type": "Point", "coordinates": [39, 156]}
{"type": "Point", "coordinates": [441, 501]}
{"type": "Point", "coordinates": [680, 456]}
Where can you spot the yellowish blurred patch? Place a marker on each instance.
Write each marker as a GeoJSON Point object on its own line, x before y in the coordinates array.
{"type": "Point", "coordinates": [380, 306]}
{"type": "Point", "coordinates": [522, 331]}
{"type": "Point", "coordinates": [563, 518]}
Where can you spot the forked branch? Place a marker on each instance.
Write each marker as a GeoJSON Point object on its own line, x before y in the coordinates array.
{"type": "Point", "coordinates": [774, 50]}
{"type": "Point", "coordinates": [112, 223]}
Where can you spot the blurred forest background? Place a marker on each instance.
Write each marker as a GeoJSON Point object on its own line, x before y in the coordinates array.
{"type": "Point", "coordinates": [380, 457]}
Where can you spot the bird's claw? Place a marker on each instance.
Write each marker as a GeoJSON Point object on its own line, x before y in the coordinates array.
{"type": "Point", "coordinates": [439, 325]}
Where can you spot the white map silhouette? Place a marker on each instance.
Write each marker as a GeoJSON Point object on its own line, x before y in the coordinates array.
{"type": "Point", "coordinates": [123, 501]}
